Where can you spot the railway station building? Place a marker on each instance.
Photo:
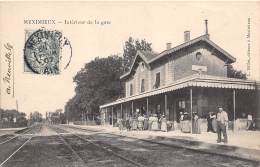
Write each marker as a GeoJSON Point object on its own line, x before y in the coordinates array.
{"type": "Point", "coordinates": [191, 77]}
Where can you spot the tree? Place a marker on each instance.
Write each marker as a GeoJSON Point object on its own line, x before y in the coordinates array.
{"type": "Point", "coordinates": [12, 118]}
{"type": "Point", "coordinates": [21, 119]}
{"type": "Point", "coordinates": [130, 48]}
{"type": "Point", "coordinates": [233, 73]}
{"type": "Point", "coordinates": [72, 111]}
{"type": "Point", "coordinates": [97, 83]}
{"type": "Point", "coordinates": [62, 118]}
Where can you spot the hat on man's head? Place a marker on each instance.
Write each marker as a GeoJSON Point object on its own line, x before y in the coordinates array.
{"type": "Point", "coordinates": [220, 107]}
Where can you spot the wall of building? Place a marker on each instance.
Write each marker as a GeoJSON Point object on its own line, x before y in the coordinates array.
{"type": "Point", "coordinates": [184, 60]}
{"type": "Point", "coordinates": [158, 68]}
{"type": "Point", "coordinates": [142, 72]}
{"type": "Point", "coordinates": [128, 82]}
{"type": "Point", "coordinates": [177, 66]}
{"type": "Point", "coordinates": [257, 119]}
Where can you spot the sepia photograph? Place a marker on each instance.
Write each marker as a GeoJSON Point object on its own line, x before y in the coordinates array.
{"type": "Point", "coordinates": [122, 84]}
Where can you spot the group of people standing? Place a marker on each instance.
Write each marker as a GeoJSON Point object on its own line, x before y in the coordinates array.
{"type": "Point", "coordinates": [185, 124]}
{"type": "Point", "coordinates": [217, 122]}
{"type": "Point", "coordinates": [143, 122]}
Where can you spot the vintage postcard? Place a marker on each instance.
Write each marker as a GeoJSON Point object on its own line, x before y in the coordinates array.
{"type": "Point", "coordinates": [115, 83]}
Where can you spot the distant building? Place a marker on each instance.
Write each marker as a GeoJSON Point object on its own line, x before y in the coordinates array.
{"type": "Point", "coordinates": [53, 117]}
{"type": "Point", "coordinates": [190, 77]}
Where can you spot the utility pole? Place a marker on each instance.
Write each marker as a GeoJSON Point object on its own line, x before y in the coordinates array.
{"type": "Point", "coordinates": [15, 119]}
{"type": "Point", "coordinates": [17, 108]}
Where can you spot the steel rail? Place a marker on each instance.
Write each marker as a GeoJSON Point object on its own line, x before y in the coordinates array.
{"type": "Point", "coordinates": [14, 137]}
{"type": "Point", "coordinates": [110, 151]}
{"type": "Point", "coordinates": [171, 145]}
{"type": "Point", "coordinates": [107, 150]}
{"type": "Point", "coordinates": [82, 163]}
{"type": "Point", "coordinates": [11, 155]}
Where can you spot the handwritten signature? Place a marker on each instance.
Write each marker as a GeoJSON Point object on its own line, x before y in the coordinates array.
{"type": "Point", "coordinates": [8, 73]}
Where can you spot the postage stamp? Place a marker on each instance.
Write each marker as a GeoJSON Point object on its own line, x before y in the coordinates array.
{"type": "Point", "coordinates": [43, 51]}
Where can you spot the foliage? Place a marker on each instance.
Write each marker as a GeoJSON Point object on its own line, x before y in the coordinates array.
{"type": "Point", "coordinates": [62, 118]}
{"type": "Point", "coordinates": [97, 83]}
{"type": "Point", "coordinates": [130, 48]}
{"type": "Point", "coordinates": [72, 110]}
{"type": "Point", "coordinates": [233, 73]}
{"type": "Point", "coordinates": [12, 118]}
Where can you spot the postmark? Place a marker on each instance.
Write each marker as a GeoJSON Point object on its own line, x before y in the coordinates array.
{"type": "Point", "coordinates": [43, 51]}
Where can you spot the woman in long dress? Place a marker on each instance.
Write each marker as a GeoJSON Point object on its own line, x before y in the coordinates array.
{"type": "Point", "coordinates": [181, 120]}
{"type": "Point", "coordinates": [127, 124]}
{"type": "Point", "coordinates": [120, 124]}
{"type": "Point", "coordinates": [163, 124]}
{"type": "Point", "coordinates": [159, 121]}
{"type": "Point", "coordinates": [134, 124]}
{"type": "Point", "coordinates": [214, 122]}
{"type": "Point", "coordinates": [145, 122]}
{"type": "Point", "coordinates": [186, 123]}
{"type": "Point", "coordinates": [209, 119]}
{"type": "Point", "coordinates": [195, 124]}
{"type": "Point", "coordinates": [140, 122]}
{"type": "Point", "coordinates": [155, 125]}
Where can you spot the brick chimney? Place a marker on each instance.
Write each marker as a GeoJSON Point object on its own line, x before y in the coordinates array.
{"type": "Point", "coordinates": [186, 36]}
{"type": "Point", "coordinates": [206, 27]}
{"type": "Point", "coordinates": [168, 45]}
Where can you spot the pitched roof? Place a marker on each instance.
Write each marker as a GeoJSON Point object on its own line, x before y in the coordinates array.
{"type": "Point", "coordinates": [146, 56]}
{"type": "Point", "coordinates": [150, 57]}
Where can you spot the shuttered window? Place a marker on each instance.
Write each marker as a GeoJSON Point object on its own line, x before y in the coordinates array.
{"type": "Point", "coordinates": [142, 86]}
{"type": "Point", "coordinates": [157, 80]}
{"type": "Point", "coordinates": [131, 89]}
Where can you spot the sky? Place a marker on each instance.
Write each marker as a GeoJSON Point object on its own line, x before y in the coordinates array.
{"type": "Point", "coordinates": [157, 22]}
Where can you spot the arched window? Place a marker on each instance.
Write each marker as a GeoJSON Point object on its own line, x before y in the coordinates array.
{"type": "Point", "coordinates": [142, 85]}
{"type": "Point", "coordinates": [198, 56]}
{"type": "Point", "coordinates": [142, 67]}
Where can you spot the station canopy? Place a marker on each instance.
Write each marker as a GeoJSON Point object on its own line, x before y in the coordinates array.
{"type": "Point", "coordinates": [196, 80]}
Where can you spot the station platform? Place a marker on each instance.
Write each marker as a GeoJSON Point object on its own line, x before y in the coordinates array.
{"type": "Point", "coordinates": [241, 144]}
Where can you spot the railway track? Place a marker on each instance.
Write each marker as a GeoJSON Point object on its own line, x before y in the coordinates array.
{"type": "Point", "coordinates": [97, 145]}
{"type": "Point", "coordinates": [83, 147]}
{"type": "Point", "coordinates": [16, 144]}
{"type": "Point", "coordinates": [254, 162]}
{"type": "Point", "coordinates": [10, 137]}
{"type": "Point", "coordinates": [12, 154]}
